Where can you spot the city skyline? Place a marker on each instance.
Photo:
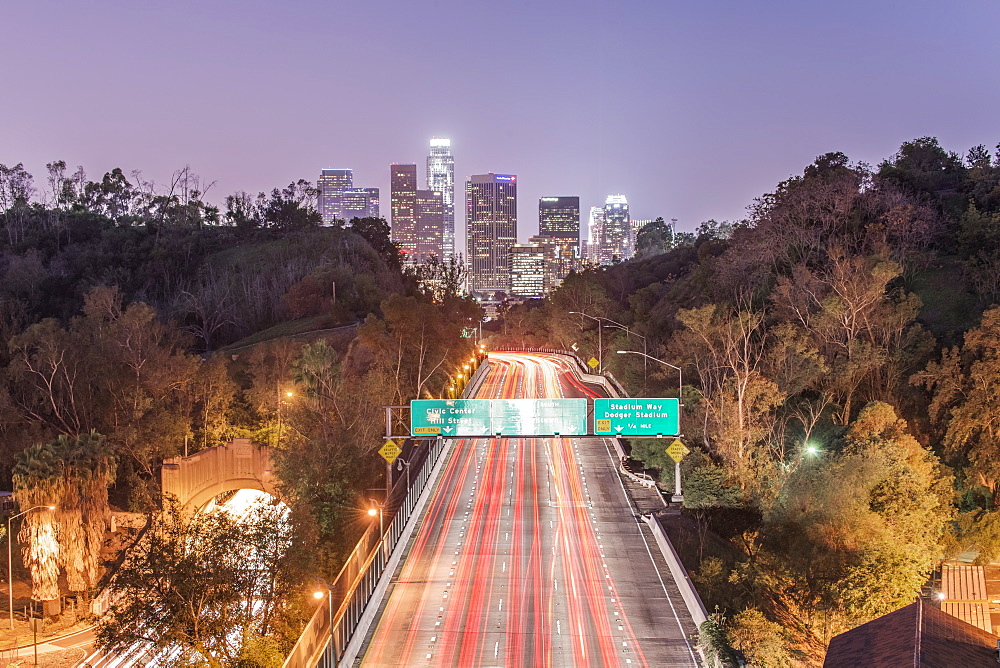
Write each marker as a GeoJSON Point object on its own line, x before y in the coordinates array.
{"type": "Point", "coordinates": [702, 108]}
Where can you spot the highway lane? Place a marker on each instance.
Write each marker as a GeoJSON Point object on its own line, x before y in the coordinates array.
{"type": "Point", "coordinates": [529, 555]}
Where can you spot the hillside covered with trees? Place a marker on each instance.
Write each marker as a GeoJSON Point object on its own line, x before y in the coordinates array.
{"type": "Point", "coordinates": [839, 350]}
{"type": "Point", "coordinates": [140, 324]}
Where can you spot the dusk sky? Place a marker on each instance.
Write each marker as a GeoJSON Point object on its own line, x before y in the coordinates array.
{"type": "Point", "coordinates": [690, 109]}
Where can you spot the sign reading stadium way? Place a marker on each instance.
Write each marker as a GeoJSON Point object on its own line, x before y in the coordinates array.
{"type": "Point", "coordinates": [636, 417]}
{"type": "Point", "coordinates": [498, 417]}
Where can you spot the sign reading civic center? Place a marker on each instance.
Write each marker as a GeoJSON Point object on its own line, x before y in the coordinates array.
{"type": "Point", "coordinates": [450, 417]}
{"type": "Point", "coordinates": [636, 417]}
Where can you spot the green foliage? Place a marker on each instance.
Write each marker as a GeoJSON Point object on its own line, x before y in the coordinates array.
{"type": "Point", "coordinates": [71, 474]}
{"type": "Point", "coordinates": [713, 639]}
{"type": "Point", "coordinates": [655, 238]}
{"type": "Point", "coordinates": [762, 642]}
{"type": "Point", "coordinates": [199, 587]}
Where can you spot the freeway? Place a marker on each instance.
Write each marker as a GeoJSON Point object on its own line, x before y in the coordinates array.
{"type": "Point", "coordinates": [530, 554]}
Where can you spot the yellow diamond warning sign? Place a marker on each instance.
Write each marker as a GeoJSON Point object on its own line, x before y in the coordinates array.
{"type": "Point", "coordinates": [592, 362]}
{"type": "Point", "coordinates": [677, 450]}
{"type": "Point", "coordinates": [389, 451]}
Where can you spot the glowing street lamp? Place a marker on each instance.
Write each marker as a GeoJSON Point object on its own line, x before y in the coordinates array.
{"type": "Point", "coordinates": [329, 607]}
{"type": "Point", "coordinates": [10, 560]}
{"type": "Point", "coordinates": [373, 510]}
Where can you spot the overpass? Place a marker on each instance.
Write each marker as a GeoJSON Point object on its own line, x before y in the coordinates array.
{"type": "Point", "coordinates": [199, 478]}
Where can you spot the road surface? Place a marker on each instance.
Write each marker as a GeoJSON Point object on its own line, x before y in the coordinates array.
{"type": "Point", "coordinates": [530, 555]}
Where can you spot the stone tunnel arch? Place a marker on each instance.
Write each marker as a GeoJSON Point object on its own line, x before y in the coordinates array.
{"type": "Point", "coordinates": [199, 478]}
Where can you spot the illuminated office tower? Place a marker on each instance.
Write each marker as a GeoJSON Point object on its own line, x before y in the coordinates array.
{"type": "Point", "coordinates": [441, 178]}
{"type": "Point", "coordinates": [594, 227]}
{"type": "Point", "coordinates": [559, 217]}
{"type": "Point", "coordinates": [558, 254]}
{"type": "Point", "coordinates": [527, 270]}
{"type": "Point", "coordinates": [430, 225]}
{"type": "Point", "coordinates": [339, 200]}
{"type": "Point", "coordinates": [403, 203]}
{"type": "Point", "coordinates": [358, 203]}
{"type": "Point", "coordinates": [331, 184]}
{"type": "Point", "coordinates": [491, 231]}
{"type": "Point", "coordinates": [616, 232]}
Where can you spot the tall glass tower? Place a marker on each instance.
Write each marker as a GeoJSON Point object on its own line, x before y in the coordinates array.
{"type": "Point", "coordinates": [441, 178]}
{"type": "Point", "coordinates": [491, 231]}
{"type": "Point", "coordinates": [616, 232]}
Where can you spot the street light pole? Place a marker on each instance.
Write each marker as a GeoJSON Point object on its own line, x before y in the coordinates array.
{"type": "Point", "coordinates": [678, 496]}
{"type": "Point", "coordinates": [600, 342]}
{"type": "Point", "coordinates": [334, 650]}
{"type": "Point", "coordinates": [399, 467]}
{"type": "Point", "coordinates": [629, 332]}
{"type": "Point", "coordinates": [10, 561]}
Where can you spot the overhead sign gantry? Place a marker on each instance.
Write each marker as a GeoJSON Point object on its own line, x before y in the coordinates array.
{"type": "Point", "coordinates": [505, 418]}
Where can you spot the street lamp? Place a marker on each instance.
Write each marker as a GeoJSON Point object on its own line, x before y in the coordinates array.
{"type": "Point", "coordinates": [10, 560]}
{"type": "Point", "coordinates": [399, 467]}
{"type": "Point", "coordinates": [677, 497]}
{"type": "Point", "coordinates": [376, 509]}
{"type": "Point", "coordinates": [629, 332]}
{"type": "Point", "coordinates": [277, 439]}
{"type": "Point", "coordinates": [600, 341]}
{"type": "Point", "coordinates": [329, 607]}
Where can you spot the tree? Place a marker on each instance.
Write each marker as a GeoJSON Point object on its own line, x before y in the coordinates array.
{"type": "Point", "coordinates": [72, 474]}
{"type": "Point", "coordinates": [88, 469]}
{"type": "Point", "coordinates": [291, 208]}
{"type": "Point", "coordinates": [39, 481]}
{"type": "Point", "coordinates": [412, 344]}
{"type": "Point", "coordinates": [377, 233]}
{"type": "Point", "coordinates": [653, 239]}
{"type": "Point", "coordinates": [966, 395]}
{"type": "Point", "coordinates": [728, 349]}
{"type": "Point", "coordinates": [196, 587]}
{"type": "Point", "coordinates": [856, 532]}
{"type": "Point", "coordinates": [705, 488]}
{"type": "Point", "coordinates": [762, 642]}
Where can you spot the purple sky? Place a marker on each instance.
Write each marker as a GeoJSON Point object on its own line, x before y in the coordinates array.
{"type": "Point", "coordinates": [690, 109]}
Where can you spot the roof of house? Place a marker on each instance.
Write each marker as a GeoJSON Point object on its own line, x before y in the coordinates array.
{"type": "Point", "coordinates": [918, 635]}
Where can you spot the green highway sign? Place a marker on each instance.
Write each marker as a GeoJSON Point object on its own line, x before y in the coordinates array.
{"type": "Point", "coordinates": [636, 417]}
{"type": "Point", "coordinates": [450, 417]}
{"type": "Point", "coordinates": [539, 417]}
{"type": "Point", "coordinates": [498, 417]}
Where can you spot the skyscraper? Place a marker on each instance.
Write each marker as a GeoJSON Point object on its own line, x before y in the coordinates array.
{"type": "Point", "coordinates": [491, 231]}
{"type": "Point", "coordinates": [616, 232]}
{"type": "Point", "coordinates": [441, 178]}
{"type": "Point", "coordinates": [559, 217]}
{"type": "Point", "coordinates": [430, 225]}
{"type": "Point", "coordinates": [331, 183]}
{"type": "Point", "coordinates": [527, 270]}
{"type": "Point", "coordinates": [403, 202]}
{"type": "Point", "coordinates": [339, 200]}
{"type": "Point", "coordinates": [558, 254]}
{"type": "Point", "coordinates": [594, 227]}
